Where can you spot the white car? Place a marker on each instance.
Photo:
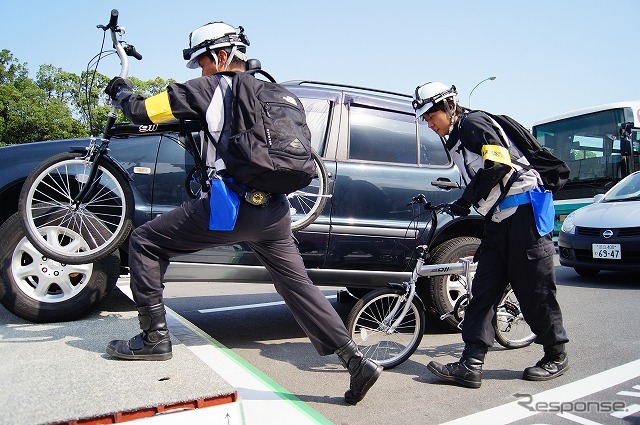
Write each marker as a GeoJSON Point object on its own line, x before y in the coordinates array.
{"type": "Point", "coordinates": [606, 234]}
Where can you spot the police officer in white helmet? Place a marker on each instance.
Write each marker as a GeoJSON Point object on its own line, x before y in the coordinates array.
{"type": "Point", "coordinates": [513, 250]}
{"type": "Point", "coordinates": [215, 48]}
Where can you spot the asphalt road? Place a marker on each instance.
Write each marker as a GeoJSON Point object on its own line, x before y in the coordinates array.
{"type": "Point", "coordinates": [601, 317]}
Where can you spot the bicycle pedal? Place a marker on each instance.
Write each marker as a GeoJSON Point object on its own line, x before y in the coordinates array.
{"type": "Point", "coordinates": [444, 316]}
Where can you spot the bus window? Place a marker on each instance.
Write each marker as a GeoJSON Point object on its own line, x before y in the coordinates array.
{"type": "Point", "coordinates": [588, 141]}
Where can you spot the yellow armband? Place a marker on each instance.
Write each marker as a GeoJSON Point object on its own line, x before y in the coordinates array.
{"type": "Point", "coordinates": [496, 154]}
{"type": "Point", "coordinates": [158, 108]}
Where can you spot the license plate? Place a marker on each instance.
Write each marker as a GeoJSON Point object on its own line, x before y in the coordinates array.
{"type": "Point", "coordinates": [607, 251]}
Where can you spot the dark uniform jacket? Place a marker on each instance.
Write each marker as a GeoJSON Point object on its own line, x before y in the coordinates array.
{"type": "Point", "coordinates": [483, 154]}
{"type": "Point", "coordinates": [204, 99]}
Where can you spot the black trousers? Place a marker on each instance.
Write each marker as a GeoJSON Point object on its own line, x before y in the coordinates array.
{"type": "Point", "coordinates": [267, 230]}
{"type": "Point", "coordinates": [513, 251]}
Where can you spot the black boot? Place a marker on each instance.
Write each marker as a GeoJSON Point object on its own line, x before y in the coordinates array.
{"type": "Point", "coordinates": [153, 343]}
{"type": "Point", "coordinates": [467, 371]}
{"type": "Point", "coordinates": [364, 372]}
{"type": "Point", "coordinates": [553, 364]}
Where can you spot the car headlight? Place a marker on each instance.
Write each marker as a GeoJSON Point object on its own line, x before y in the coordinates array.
{"type": "Point", "coordinates": [568, 225]}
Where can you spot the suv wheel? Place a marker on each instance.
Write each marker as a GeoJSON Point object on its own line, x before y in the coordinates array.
{"type": "Point", "coordinates": [445, 290]}
{"type": "Point", "coordinates": [39, 289]}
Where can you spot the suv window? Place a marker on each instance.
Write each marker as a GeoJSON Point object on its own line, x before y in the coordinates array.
{"type": "Point", "coordinates": [317, 113]}
{"type": "Point", "coordinates": [382, 136]}
{"type": "Point", "coordinates": [386, 136]}
{"type": "Point", "coordinates": [432, 151]}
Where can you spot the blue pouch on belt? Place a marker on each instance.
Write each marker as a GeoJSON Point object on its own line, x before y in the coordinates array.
{"type": "Point", "coordinates": [224, 204]}
{"type": "Point", "coordinates": [543, 211]}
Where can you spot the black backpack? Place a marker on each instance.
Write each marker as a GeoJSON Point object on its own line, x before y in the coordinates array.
{"type": "Point", "coordinates": [270, 144]}
{"type": "Point", "coordinates": [553, 171]}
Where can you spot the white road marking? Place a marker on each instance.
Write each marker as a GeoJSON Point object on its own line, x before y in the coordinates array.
{"type": "Point", "coordinates": [248, 306]}
{"type": "Point", "coordinates": [260, 399]}
{"type": "Point", "coordinates": [514, 411]}
{"type": "Point", "coordinates": [631, 393]}
{"type": "Point", "coordinates": [632, 409]}
{"type": "Point", "coordinates": [577, 419]}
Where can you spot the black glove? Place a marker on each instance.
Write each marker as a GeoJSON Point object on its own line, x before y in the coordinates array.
{"type": "Point", "coordinates": [115, 86]}
{"type": "Point", "coordinates": [460, 207]}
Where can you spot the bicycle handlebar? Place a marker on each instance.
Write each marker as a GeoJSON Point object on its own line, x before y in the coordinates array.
{"type": "Point", "coordinates": [124, 61]}
{"type": "Point", "coordinates": [123, 51]}
{"type": "Point", "coordinates": [113, 21]}
{"type": "Point", "coordinates": [421, 199]}
{"type": "Point", "coordinates": [434, 210]}
{"type": "Point", "coordinates": [131, 51]}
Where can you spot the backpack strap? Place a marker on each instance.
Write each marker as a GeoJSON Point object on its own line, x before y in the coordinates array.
{"type": "Point", "coordinates": [504, 189]}
{"type": "Point", "coordinates": [509, 144]}
{"type": "Point", "coordinates": [239, 189]}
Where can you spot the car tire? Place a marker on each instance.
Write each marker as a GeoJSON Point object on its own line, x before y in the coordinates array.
{"type": "Point", "coordinates": [443, 289]}
{"type": "Point", "coordinates": [586, 272]}
{"type": "Point", "coordinates": [42, 290]}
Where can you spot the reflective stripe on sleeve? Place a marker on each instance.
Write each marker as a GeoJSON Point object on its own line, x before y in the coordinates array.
{"type": "Point", "coordinates": [496, 154]}
{"type": "Point", "coordinates": [158, 108]}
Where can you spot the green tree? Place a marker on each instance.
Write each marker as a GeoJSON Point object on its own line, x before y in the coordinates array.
{"type": "Point", "coordinates": [27, 111]}
{"type": "Point", "coordinates": [57, 104]}
{"type": "Point", "coordinates": [91, 91]}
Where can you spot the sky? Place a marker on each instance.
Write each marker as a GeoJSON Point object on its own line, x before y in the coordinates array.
{"type": "Point", "coordinates": [548, 56]}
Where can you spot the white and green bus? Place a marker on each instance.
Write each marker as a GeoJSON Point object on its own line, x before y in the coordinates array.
{"type": "Point", "coordinates": [601, 145]}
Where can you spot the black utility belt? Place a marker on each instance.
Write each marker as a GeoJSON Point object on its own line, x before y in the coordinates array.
{"type": "Point", "coordinates": [256, 197]}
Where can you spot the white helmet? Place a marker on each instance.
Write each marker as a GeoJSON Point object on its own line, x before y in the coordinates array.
{"type": "Point", "coordinates": [214, 36]}
{"type": "Point", "coordinates": [427, 95]}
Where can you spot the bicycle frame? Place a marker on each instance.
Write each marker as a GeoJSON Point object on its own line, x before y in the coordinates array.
{"type": "Point", "coordinates": [78, 206]}
{"type": "Point", "coordinates": [388, 323]}
{"type": "Point", "coordinates": [465, 266]}
{"type": "Point", "coordinates": [94, 151]}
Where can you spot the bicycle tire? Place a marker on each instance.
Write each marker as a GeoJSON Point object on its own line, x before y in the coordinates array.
{"type": "Point", "coordinates": [367, 327]}
{"type": "Point", "coordinates": [307, 204]}
{"type": "Point", "coordinates": [75, 234]}
{"type": "Point", "coordinates": [511, 330]}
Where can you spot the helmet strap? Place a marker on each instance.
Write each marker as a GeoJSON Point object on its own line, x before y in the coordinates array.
{"type": "Point", "coordinates": [230, 57]}
{"type": "Point", "coordinates": [213, 54]}
{"type": "Point", "coordinates": [450, 112]}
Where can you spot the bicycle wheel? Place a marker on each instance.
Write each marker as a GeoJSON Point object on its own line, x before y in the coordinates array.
{"type": "Point", "coordinates": [512, 331]}
{"type": "Point", "coordinates": [75, 233]}
{"type": "Point", "coordinates": [307, 204]}
{"type": "Point", "coordinates": [369, 324]}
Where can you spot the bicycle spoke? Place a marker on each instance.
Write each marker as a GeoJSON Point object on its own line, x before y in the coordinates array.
{"type": "Point", "coordinates": [101, 219]}
{"type": "Point", "coordinates": [371, 328]}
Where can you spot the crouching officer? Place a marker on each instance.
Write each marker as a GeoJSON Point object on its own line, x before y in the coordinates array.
{"type": "Point", "coordinates": [512, 247]}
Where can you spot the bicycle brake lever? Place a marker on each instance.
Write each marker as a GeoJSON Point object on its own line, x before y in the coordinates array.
{"type": "Point", "coordinates": [418, 199]}
{"type": "Point", "coordinates": [447, 210]}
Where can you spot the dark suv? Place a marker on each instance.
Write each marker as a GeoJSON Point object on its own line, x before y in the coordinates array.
{"type": "Point", "coordinates": [377, 157]}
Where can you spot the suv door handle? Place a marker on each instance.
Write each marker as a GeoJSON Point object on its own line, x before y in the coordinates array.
{"type": "Point", "coordinates": [445, 184]}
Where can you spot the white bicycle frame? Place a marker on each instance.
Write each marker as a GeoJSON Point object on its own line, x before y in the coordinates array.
{"type": "Point", "coordinates": [464, 267]}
